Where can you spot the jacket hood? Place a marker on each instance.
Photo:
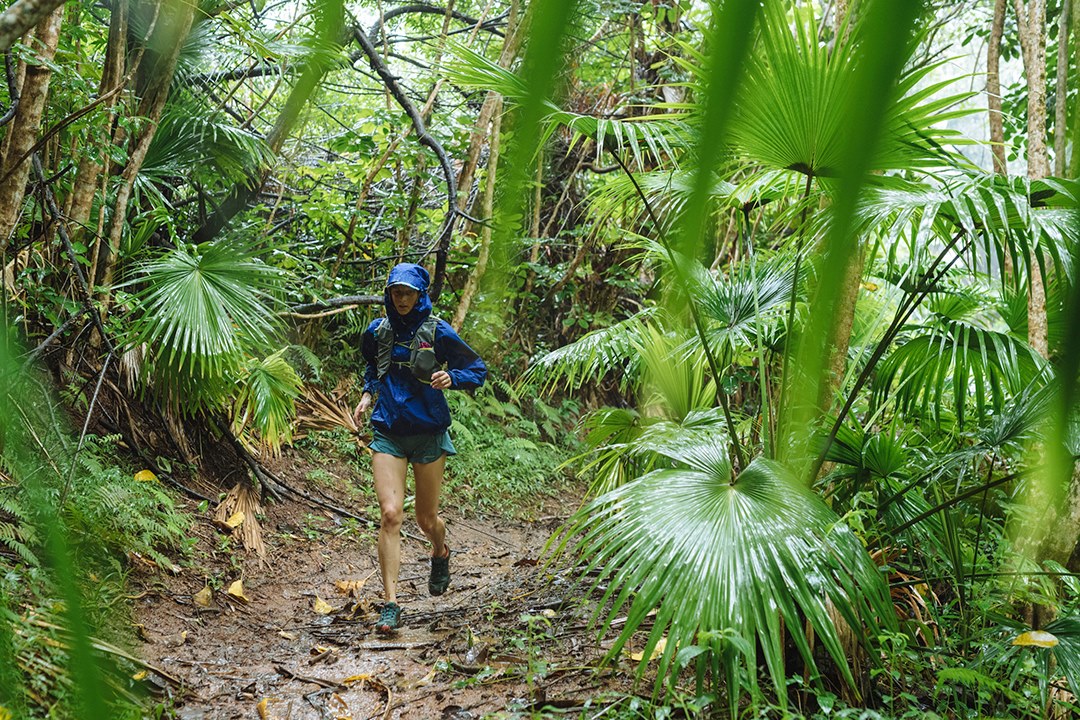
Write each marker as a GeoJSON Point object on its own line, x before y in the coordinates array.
{"type": "Point", "coordinates": [416, 277]}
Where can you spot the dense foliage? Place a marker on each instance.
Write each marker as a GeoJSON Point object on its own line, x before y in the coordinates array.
{"type": "Point", "coordinates": [828, 356]}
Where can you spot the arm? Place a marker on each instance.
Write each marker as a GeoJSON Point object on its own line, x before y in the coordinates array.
{"type": "Point", "coordinates": [465, 369]}
{"type": "Point", "coordinates": [369, 351]}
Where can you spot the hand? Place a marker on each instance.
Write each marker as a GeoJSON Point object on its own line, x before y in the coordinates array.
{"type": "Point", "coordinates": [441, 380]}
{"type": "Point", "coordinates": [362, 408]}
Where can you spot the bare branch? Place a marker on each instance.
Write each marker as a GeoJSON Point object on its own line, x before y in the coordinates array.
{"type": "Point", "coordinates": [21, 16]}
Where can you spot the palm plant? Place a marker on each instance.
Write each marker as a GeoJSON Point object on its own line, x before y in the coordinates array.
{"type": "Point", "coordinates": [205, 314]}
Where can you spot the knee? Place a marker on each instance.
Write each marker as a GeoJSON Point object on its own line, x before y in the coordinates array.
{"type": "Point", "coordinates": [391, 517]}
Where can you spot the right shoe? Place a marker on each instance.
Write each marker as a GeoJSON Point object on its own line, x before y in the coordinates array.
{"type": "Point", "coordinates": [389, 619]}
{"type": "Point", "coordinates": [439, 579]}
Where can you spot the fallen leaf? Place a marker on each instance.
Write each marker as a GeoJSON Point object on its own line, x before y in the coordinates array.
{"type": "Point", "coordinates": [145, 476]}
{"type": "Point", "coordinates": [140, 676]}
{"type": "Point", "coordinates": [338, 707]}
{"type": "Point", "coordinates": [236, 590]}
{"type": "Point", "coordinates": [287, 635]}
{"type": "Point", "coordinates": [264, 712]}
{"type": "Point", "coordinates": [321, 607]}
{"type": "Point", "coordinates": [548, 613]}
{"type": "Point", "coordinates": [1036, 638]}
{"type": "Point", "coordinates": [657, 651]}
{"type": "Point", "coordinates": [203, 597]}
{"type": "Point", "coordinates": [235, 520]}
{"type": "Point", "coordinates": [427, 679]}
{"type": "Point", "coordinates": [353, 679]}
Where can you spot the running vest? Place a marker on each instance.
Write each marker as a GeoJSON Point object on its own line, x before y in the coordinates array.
{"type": "Point", "coordinates": [422, 361]}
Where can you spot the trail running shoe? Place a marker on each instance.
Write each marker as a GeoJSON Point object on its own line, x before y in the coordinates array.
{"type": "Point", "coordinates": [439, 579]}
{"type": "Point", "coordinates": [389, 619]}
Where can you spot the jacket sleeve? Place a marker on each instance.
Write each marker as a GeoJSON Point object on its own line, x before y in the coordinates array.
{"type": "Point", "coordinates": [369, 349]}
{"type": "Point", "coordinates": [467, 370]}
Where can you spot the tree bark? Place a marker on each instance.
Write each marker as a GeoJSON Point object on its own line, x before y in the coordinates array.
{"type": "Point", "coordinates": [1032, 24]}
{"type": "Point", "coordinates": [23, 131]}
{"type": "Point", "coordinates": [173, 26]}
{"type": "Point", "coordinates": [1061, 90]}
{"type": "Point", "coordinates": [477, 274]}
{"type": "Point", "coordinates": [21, 16]}
{"type": "Point", "coordinates": [81, 198]}
{"type": "Point", "coordinates": [993, 88]}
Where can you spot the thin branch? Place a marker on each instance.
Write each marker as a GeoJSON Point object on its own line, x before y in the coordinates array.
{"type": "Point", "coordinates": [425, 138]}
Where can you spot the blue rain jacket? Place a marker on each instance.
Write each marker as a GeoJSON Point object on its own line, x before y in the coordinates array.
{"type": "Point", "coordinates": [404, 405]}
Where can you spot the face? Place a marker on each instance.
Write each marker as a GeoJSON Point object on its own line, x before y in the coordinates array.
{"type": "Point", "coordinates": [404, 298]}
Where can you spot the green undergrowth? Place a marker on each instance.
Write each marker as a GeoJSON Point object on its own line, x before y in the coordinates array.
{"type": "Point", "coordinates": [73, 518]}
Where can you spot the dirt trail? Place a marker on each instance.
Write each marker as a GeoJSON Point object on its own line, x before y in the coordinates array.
{"type": "Point", "coordinates": [506, 638]}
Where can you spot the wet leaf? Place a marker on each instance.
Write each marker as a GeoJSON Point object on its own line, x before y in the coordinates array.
{"type": "Point", "coordinates": [236, 590]}
{"type": "Point", "coordinates": [352, 588]}
{"type": "Point", "coordinates": [143, 476]}
{"type": "Point", "coordinates": [204, 597]}
{"type": "Point", "coordinates": [1036, 638]}
{"type": "Point", "coordinates": [235, 520]}
{"type": "Point", "coordinates": [321, 607]}
{"type": "Point", "coordinates": [657, 651]}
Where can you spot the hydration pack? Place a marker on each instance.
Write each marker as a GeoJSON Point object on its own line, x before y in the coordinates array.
{"type": "Point", "coordinates": [422, 360]}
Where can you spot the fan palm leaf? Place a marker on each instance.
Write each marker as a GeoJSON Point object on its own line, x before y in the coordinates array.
{"type": "Point", "coordinates": [202, 310]}
{"type": "Point", "coordinates": [788, 117]}
{"type": "Point", "coordinates": [727, 565]}
{"type": "Point", "coordinates": [659, 135]}
{"type": "Point", "coordinates": [267, 400]}
{"type": "Point", "coordinates": [955, 356]}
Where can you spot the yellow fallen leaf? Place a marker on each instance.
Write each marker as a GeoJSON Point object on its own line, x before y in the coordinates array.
{"type": "Point", "coordinates": [427, 679]}
{"type": "Point", "coordinates": [339, 708]}
{"type": "Point", "coordinates": [237, 591]}
{"type": "Point", "coordinates": [287, 635]}
{"type": "Point", "coordinates": [353, 679]}
{"type": "Point", "coordinates": [321, 607]}
{"type": "Point", "coordinates": [1036, 638]}
{"type": "Point", "coordinates": [203, 597]}
{"type": "Point", "coordinates": [143, 476]}
{"type": "Point", "coordinates": [657, 651]}
{"type": "Point", "coordinates": [235, 519]}
{"type": "Point", "coordinates": [352, 587]}
{"type": "Point", "coordinates": [262, 707]}
{"type": "Point", "coordinates": [141, 675]}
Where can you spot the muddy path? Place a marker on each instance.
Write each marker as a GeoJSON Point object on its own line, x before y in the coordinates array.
{"type": "Point", "coordinates": [508, 638]}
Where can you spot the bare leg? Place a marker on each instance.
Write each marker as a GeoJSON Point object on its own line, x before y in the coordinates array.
{"type": "Point", "coordinates": [389, 474]}
{"type": "Point", "coordinates": [429, 478]}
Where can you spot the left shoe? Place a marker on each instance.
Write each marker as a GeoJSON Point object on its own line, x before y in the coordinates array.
{"type": "Point", "coordinates": [439, 579]}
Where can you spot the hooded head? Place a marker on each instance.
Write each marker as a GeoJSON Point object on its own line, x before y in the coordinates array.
{"type": "Point", "coordinates": [415, 277]}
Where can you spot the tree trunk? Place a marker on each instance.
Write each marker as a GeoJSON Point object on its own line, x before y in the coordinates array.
{"type": "Point", "coordinates": [21, 16]}
{"type": "Point", "coordinates": [171, 31]}
{"type": "Point", "coordinates": [477, 274]}
{"type": "Point", "coordinates": [845, 320]}
{"type": "Point", "coordinates": [1061, 90]}
{"type": "Point", "coordinates": [1032, 23]}
{"type": "Point", "coordinates": [81, 198]}
{"type": "Point", "coordinates": [23, 132]}
{"type": "Point", "coordinates": [993, 88]}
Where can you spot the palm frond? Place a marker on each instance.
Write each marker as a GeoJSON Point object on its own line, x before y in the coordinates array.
{"type": "Point", "coordinates": [202, 308]}
{"type": "Point", "coordinates": [726, 566]}
{"type": "Point", "coordinates": [656, 135]}
{"type": "Point", "coordinates": [593, 356]}
{"type": "Point", "coordinates": [957, 358]}
{"type": "Point", "coordinates": [267, 400]}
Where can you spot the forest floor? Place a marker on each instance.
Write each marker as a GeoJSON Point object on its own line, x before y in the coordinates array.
{"type": "Point", "coordinates": [509, 637]}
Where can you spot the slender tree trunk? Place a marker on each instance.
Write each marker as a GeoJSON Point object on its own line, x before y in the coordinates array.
{"type": "Point", "coordinates": [81, 198]}
{"type": "Point", "coordinates": [1073, 130]}
{"type": "Point", "coordinates": [477, 274]}
{"type": "Point", "coordinates": [845, 321]}
{"type": "Point", "coordinates": [1032, 23]}
{"type": "Point", "coordinates": [1061, 91]}
{"type": "Point", "coordinates": [23, 131]}
{"type": "Point", "coordinates": [173, 28]}
{"type": "Point", "coordinates": [993, 88]}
